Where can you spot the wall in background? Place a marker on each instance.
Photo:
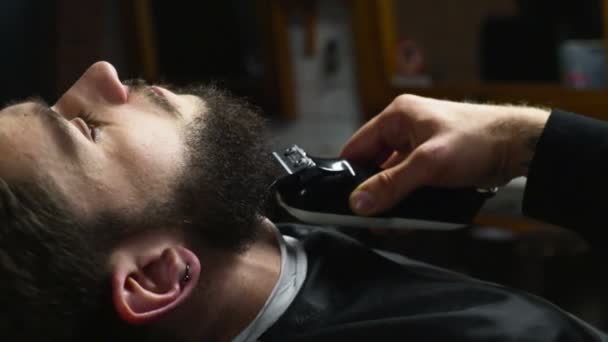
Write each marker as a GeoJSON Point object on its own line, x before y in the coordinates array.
{"type": "Point", "coordinates": [325, 82]}
{"type": "Point", "coordinates": [26, 40]}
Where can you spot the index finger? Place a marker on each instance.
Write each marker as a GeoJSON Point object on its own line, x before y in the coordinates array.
{"type": "Point", "coordinates": [377, 139]}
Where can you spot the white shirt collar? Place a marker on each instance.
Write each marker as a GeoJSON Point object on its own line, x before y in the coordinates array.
{"type": "Point", "coordinates": [293, 273]}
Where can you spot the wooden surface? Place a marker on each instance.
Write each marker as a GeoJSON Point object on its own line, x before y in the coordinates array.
{"type": "Point", "coordinates": [143, 23]}
{"type": "Point", "coordinates": [374, 42]}
{"type": "Point", "coordinates": [372, 21]}
{"type": "Point", "coordinates": [273, 19]}
{"type": "Point", "coordinates": [514, 224]}
{"type": "Point", "coordinates": [374, 89]}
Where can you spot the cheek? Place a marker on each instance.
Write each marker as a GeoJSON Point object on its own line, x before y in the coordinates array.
{"type": "Point", "coordinates": [156, 152]}
{"type": "Point", "coordinates": [29, 153]}
{"type": "Point", "coordinates": [144, 162]}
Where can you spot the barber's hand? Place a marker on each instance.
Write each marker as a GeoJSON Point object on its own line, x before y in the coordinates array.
{"type": "Point", "coordinates": [421, 141]}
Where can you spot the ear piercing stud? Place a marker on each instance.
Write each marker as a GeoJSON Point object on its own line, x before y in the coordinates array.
{"type": "Point", "coordinates": [186, 277]}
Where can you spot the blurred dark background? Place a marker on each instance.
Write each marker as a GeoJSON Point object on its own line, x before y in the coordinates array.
{"type": "Point", "coordinates": [48, 44]}
{"type": "Point", "coordinates": [318, 69]}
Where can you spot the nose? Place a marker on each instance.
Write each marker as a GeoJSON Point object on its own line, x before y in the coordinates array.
{"type": "Point", "coordinates": [98, 85]}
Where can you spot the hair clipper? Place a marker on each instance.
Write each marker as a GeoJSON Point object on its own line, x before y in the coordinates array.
{"type": "Point", "coordinates": [316, 190]}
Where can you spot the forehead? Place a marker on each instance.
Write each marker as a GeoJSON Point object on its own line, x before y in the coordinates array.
{"type": "Point", "coordinates": [37, 145]}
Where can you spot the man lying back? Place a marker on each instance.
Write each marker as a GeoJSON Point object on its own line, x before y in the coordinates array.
{"type": "Point", "coordinates": [131, 212]}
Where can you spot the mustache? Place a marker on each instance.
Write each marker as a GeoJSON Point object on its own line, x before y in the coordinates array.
{"type": "Point", "coordinates": [137, 84]}
{"type": "Point", "coordinates": [140, 86]}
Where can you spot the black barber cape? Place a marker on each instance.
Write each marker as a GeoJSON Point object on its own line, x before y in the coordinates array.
{"type": "Point", "coordinates": [352, 293]}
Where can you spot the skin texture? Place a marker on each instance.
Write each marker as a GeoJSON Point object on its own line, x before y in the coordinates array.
{"type": "Point", "coordinates": [138, 148]}
{"type": "Point", "coordinates": [111, 147]}
{"type": "Point", "coordinates": [422, 141]}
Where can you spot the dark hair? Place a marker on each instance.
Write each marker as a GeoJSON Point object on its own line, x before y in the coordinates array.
{"type": "Point", "coordinates": [54, 286]}
{"type": "Point", "coordinates": [229, 171]}
{"type": "Point", "coordinates": [40, 272]}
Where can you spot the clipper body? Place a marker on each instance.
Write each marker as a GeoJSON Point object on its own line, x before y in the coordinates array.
{"type": "Point", "coordinates": [316, 190]}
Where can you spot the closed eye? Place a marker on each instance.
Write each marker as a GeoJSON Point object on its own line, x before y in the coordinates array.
{"type": "Point", "coordinates": [92, 125]}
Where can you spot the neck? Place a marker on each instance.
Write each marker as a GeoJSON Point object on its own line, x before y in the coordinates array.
{"type": "Point", "coordinates": [239, 289]}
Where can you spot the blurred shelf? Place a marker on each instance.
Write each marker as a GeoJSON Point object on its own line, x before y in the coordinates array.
{"type": "Point", "coordinates": [376, 35]}
{"type": "Point", "coordinates": [589, 102]}
{"type": "Point", "coordinates": [516, 225]}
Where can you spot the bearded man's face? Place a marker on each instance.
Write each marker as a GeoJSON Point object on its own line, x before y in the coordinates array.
{"type": "Point", "coordinates": [132, 151]}
{"type": "Point", "coordinates": [109, 195]}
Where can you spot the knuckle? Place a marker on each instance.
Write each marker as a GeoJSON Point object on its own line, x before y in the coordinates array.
{"type": "Point", "coordinates": [384, 180]}
{"type": "Point", "coordinates": [404, 102]}
{"type": "Point", "coordinates": [385, 183]}
{"type": "Point", "coordinates": [392, 124]}
{"type": "Point", "coordinates": [426, 154]}
{"type": "Point", "coordinates": [429, 157]}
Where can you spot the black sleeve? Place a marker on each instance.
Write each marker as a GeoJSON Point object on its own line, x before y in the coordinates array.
{"type": "Point", "coordinates": [568, 178]}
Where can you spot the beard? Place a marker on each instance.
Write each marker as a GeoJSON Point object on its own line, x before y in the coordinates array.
{"type": "Point", "coordinates": [222, 191]}
{"type": "Point", "coordinates": [53, 262]}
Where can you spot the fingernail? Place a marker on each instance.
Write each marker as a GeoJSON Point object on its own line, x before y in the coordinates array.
{"type": "Point", "coordinates": [362, 202]}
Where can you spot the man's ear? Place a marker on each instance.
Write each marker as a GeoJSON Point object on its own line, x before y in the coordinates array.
{"type": "Point", "coordinates": [151, 279]}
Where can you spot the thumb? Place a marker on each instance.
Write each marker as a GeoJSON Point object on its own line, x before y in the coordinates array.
{"type": "Point", "coordinates": [386, 188]}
